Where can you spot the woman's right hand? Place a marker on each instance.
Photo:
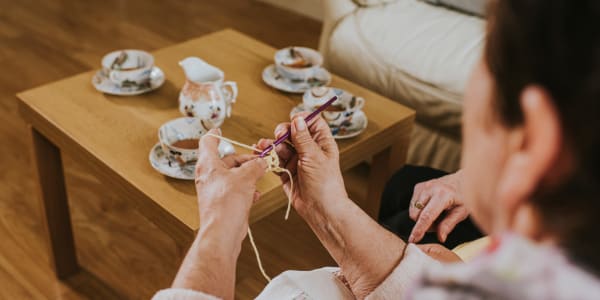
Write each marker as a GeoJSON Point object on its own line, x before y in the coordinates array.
{"type": "Point", "coordinates": [313, 160]}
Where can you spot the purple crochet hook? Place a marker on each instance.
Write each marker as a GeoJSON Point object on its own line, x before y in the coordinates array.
{"type": "Point", "coordinates": [289, 132]}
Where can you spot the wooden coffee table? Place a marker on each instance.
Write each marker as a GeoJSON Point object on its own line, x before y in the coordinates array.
{"type": "Point", "coordinates": [113, 135]}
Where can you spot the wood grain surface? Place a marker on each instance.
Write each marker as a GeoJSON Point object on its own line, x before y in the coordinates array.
{"type": "Point", "coordinates": [114, 134]}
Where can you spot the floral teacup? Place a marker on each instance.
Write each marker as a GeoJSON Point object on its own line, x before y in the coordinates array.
{"type": "Point", "coordinates": [179, 138]}
{"type": "Point", "coordinates": [340, 111]}
{"type": "Point", "coordinates": [128, 67]}
{"type": "Point", "coordinates": [298, 63]}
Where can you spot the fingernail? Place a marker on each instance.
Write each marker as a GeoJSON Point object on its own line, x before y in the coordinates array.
{"type": "Point", "coordinates": [411, 239]}
{"type": "Point", "coordinates": [300, 124]}
{"type": "Point", "coordinates": [219, 131]}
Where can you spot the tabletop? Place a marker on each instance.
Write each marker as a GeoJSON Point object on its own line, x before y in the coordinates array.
{"type": "Point", "coordinates": [114, 134]}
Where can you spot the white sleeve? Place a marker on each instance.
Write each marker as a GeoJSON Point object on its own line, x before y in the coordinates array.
{"type": "Point", "coordinates": [404, 275]}
{"type": "Point", "coordinates": [182, 294]}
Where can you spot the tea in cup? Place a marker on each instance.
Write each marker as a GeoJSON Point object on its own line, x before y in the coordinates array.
{"type": "Point", "coordinates": [179, 138]}
{"type": "Point", "coordinates": [298, 63]}
{"type": "Point", "coordinates": [128, 67]}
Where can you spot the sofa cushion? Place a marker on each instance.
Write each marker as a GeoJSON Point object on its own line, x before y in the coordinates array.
{"type": "Point", "coordinates": [418, 54]}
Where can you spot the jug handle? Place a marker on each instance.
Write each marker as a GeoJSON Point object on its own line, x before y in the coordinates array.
{"type": "Point", "coordinates": [232, 92]}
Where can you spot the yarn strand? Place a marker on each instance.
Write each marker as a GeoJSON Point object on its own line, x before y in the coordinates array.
{"type": "Point", "coordinates": [258, 261]}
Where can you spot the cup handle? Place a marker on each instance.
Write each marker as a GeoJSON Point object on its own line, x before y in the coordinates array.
{"type": "Point", "coordinates": [360, 102]}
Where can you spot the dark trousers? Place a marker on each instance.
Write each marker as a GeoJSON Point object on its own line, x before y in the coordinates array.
{"type": "Point", "coordinates": [395, 201]}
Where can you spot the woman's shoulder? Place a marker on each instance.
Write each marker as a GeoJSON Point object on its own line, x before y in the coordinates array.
{"type": "Point", "coordinates": [511, 268]}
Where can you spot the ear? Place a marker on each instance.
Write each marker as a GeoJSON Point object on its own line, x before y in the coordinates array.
{"type": "Point", "coordinates": [533, 154]}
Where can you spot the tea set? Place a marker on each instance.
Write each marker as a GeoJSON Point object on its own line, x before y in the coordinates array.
{"type": "Point", "coordinates": [206, 99]}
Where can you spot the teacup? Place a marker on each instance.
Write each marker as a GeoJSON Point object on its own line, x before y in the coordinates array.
{"type": "Point", "coordinates": [128, 67]}
{"type": "Point", "coordinates": [340, 111]}
{"type": "Point", "coordinates": [179, 138]}
{"type": "Point", "coordinates": [298, 63]}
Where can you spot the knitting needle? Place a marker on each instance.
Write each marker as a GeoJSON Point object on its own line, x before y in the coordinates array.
{"type": "Point", "coordinates": [289, 132]}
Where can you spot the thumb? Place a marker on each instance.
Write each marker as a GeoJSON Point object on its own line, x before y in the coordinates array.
{"type": "Point", "coordinates": [253, 169]}
{"type": "Point", "coordinates": [301, 138]}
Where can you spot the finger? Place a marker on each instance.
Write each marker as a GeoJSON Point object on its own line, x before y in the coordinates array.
{"type": "Point", "coordinates": [301, 137]}
{"type": "Point", "coordinates": [236, 160]}
{"type": "Point", "coordinates": [253, 169]}
{"type": "Point", "coordinates": [413, 210]}
{"type": "Point", "coordinates": [439, 253]}
{"type": "Point", "coordinates": [208, 148]}
{"type": "Point", "coordinates": [281, 129]}
{"type": "Point", "coordinates": [285, 153]}
{"type": "Point", "coordinates": [263, 144]}
{"type": "Point", "coordinates": [426, 218]}
{"type": "Point", "coordinates": [422, 200]}
{"type": "Point", "coordinates": [322, 134]}
{"type": "Point", "coordinates": [453, 217]}
{"type": "Point", "coordinates": [256, 197]}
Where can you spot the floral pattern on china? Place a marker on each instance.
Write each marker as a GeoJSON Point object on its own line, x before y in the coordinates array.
{"type": "Point", "coordinates": [205, 94]}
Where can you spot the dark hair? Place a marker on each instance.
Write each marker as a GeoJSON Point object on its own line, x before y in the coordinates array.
{"type": "Point", "coordinates": [556, 44]}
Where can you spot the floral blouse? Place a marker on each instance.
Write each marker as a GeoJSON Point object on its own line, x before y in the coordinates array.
{"type": "Point", "coordinates": [511, 268]}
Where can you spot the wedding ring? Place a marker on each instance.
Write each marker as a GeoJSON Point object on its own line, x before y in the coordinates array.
{"type": "Point", "coordinates": [418, 205]}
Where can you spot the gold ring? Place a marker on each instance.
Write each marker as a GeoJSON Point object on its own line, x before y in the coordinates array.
{"type": "Point", "coordinates": [418, 205]}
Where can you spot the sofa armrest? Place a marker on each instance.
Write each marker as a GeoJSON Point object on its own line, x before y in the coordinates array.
{"type": "Point", "coordinates": [333, 12]}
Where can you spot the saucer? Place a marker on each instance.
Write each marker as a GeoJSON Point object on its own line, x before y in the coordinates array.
{"type": "Point", "coordinates": [168, 166]}
{"type": "Point", "coordinates": [103, 84]}
{"type": "Point", "coordinates": [275, 80]}
{"type": "Point", "coordinates": [350, 129]}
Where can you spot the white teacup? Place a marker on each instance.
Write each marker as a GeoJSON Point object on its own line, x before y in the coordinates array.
{"type": "Point", "coordinates": [128, 67]}
{"type": "Point", "coordinates": [340, 111]}
{"type": "Point", "coordinates": [298, 63]}
{"type": "Point", "coordinates": [179, 138]}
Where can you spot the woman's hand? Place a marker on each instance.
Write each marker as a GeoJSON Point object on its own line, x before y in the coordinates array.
{"type": "Point", "coordinates": [226, 189]}
{"type": "Point", "coordinates": [313, 161]}
{"type": "Point", "coordinates": [432, 198]}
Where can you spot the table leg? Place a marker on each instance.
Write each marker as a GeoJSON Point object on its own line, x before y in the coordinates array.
{"type": "Point", "coordinates": [384, 164]}
{"type": "Point", "coordinates": [55, 209]}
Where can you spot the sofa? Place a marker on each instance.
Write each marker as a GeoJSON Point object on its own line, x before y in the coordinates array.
{"type": "Point", "coordinates": [413, 52]}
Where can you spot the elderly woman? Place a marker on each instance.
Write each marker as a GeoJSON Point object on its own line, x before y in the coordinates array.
{"type": "Point", "coordinates": [531, 180]}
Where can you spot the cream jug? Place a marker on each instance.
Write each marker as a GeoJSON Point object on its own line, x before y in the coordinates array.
{"type": "Point", "coordinates": [205, 95]}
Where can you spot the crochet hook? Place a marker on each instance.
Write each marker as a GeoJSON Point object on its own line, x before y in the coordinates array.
{"type": "Point", "coordinates": [289, 132]}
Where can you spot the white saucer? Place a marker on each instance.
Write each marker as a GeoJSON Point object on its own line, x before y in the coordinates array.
{"type": "Point", "coordinates": [171, 168]}
{"type": "Point", "coordinates": [103, 84]}
{"type": "Point", "coordinates": [275, 80]}
{"type": "Point", "coordinates": [352, 128]}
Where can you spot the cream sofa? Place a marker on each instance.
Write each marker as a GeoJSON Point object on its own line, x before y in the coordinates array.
{"type": "Point", "coordinates": [415, 53]}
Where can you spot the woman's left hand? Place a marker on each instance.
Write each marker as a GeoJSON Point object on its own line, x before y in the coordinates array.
{"type": "Point", "coordinates": [226, 189]}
